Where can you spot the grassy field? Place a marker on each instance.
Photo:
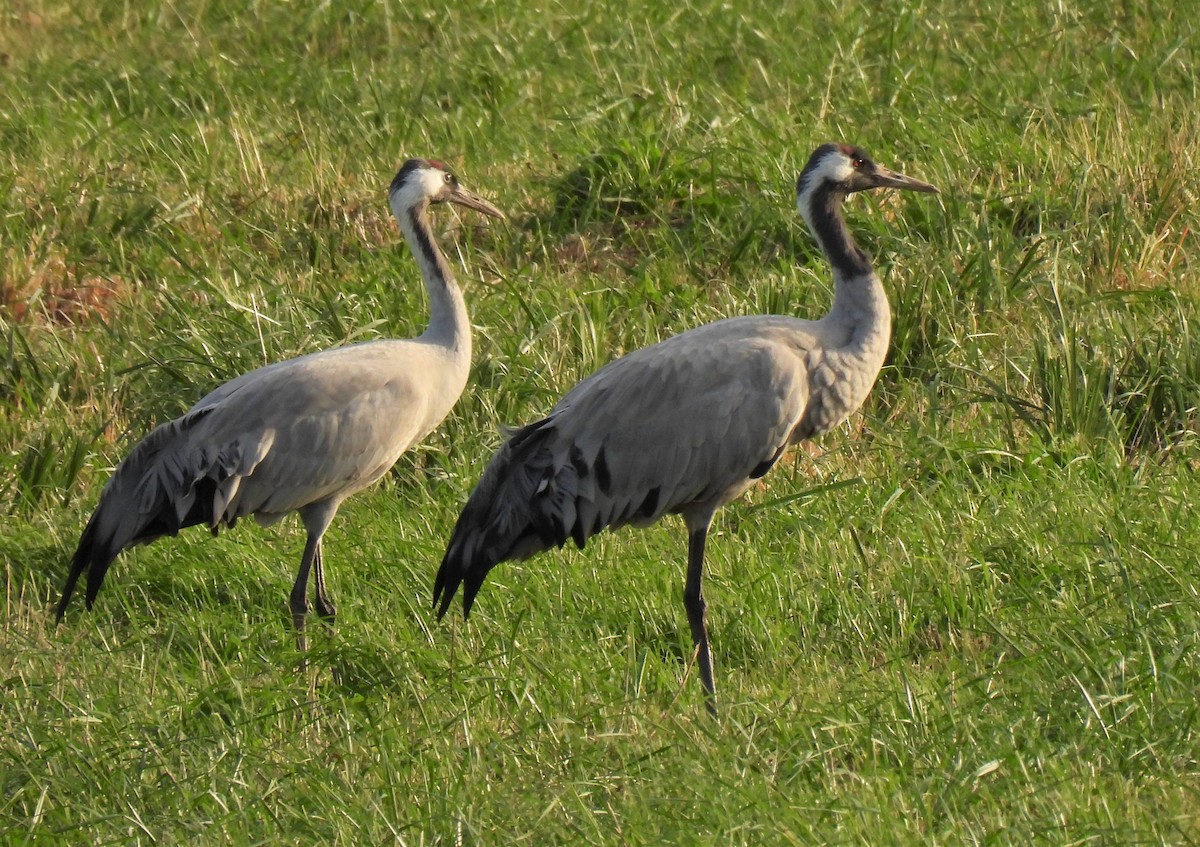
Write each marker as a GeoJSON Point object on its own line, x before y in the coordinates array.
{"type": "Point", "coordinates": [967, 617]}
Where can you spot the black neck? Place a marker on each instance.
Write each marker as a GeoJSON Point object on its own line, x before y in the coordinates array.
{"type": "Point", "coordinates": [428, 253]}
{"type": "Point", "coordinates": [448, 320]}
{"type": "Point", "coordinates": [829, 227]}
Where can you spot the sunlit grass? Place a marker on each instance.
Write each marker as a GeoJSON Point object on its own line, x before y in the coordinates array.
{"type": "Point", "coordinates": [969, 616]}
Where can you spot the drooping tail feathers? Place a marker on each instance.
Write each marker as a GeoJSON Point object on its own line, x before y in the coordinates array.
{"type": "Point", "coordinates": [540, 489]}
{"type": "Point", "coordinates": [161, 487]}
{"type": "Point", "coordinates": [511, 514]}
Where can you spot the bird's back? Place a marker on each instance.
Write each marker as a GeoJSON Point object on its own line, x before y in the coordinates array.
{"type": "Point", "coordinates": [683, 425]}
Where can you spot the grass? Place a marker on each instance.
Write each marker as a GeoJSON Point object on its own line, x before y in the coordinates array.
{"type": "Point", "coordinates": [969, 616]}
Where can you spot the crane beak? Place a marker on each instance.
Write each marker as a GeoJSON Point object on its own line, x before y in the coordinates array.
{"type": "Point", "coordinates": [884, 178]}
{"type": "Point", "coordinates": [471, 200]}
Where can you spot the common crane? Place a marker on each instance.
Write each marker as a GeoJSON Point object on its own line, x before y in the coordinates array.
{"type": "Point", "coordinates": [300, 435]}
{"type": "Point", "coordinates": [686, 425]}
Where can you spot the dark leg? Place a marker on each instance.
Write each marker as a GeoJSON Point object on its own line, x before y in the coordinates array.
{"type": "Point", "coordinates": [693, 601]}
{"type": "Point", "coordinates": [323, 603]}
{"type": "Point", "coordinates": [298, 601]}
{"type": "Point", "coordinates": [316, 519]}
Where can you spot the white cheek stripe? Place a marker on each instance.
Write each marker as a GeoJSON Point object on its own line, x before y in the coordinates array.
{"type": "Point", "coordinates": [428, 185]}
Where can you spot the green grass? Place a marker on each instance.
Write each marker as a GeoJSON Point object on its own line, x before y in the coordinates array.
{"type": "Point", "coordinates": [967, 617]}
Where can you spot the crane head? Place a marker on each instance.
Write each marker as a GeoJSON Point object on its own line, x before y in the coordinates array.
{"type": "Point", "coordinates": [844, 169]}
{"type": "Point", "coordinates": [420, 182]}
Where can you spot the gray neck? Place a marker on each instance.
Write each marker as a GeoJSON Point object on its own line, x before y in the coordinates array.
{"type": "Point", "coordinates": [860, 304]}
{"type": "Point", "coordinates": [449, 324]}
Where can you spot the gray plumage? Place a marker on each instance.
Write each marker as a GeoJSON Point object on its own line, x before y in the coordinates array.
{"type": "Point", "coordinates": [686, 425]}
{"type": "Point", "coordinates": [300, 435]}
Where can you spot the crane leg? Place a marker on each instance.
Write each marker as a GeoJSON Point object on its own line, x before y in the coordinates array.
{"type": "Point", "coordinates": [323, 603]}
{"type": "Point", "coordinates": [316, 520]}
{"type": "Point", "coordinates": [693, 601]}
{"type": "Point", "coordinates": [298, 601]}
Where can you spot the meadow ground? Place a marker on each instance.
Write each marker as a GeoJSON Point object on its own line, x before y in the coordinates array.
{"type": "Point", "coordinates": [967, 617]}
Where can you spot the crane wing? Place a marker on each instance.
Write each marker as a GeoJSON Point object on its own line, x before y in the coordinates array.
{"type": "Point", "coordinates": [685, 422]}
{"type": "Point", "coordinates": [338, 421]}
{"type": "Point", "coordinates": [307, 431]}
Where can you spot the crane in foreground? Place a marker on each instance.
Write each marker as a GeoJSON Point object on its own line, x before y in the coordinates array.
{"type": "Point", "coordinates": [300, 435]}
{"type": "Point", "coordinates": [686, 425]}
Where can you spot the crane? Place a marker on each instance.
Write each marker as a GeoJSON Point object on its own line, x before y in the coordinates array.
{"type": "Point", "coordinates": [300, 435]}
{"type": "Point", "coordinates": [686, 425]}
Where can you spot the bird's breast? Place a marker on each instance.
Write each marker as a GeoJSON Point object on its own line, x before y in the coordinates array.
{"type": "Point", "coordinates": [838, 385]}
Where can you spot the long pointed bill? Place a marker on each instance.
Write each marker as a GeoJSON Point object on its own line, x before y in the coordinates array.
{"type": "Point", "coordinates": [471, 200]}
{"type": "Point", "coordinates": [884, 178]}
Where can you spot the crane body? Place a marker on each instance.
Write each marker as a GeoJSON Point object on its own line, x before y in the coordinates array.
{"type": "Point", "coordinates": [300, 435]}
{"type": "Point", "coordinates": [686, 425]}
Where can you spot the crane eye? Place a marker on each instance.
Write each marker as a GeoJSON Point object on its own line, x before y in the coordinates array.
{"type": "Point", "coordinates": [450, 179]}
{"type": "Point", "coordinates": [857, 164]}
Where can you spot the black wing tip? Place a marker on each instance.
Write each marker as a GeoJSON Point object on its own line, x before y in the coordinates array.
{"type": "Point", "coordinates": [468, 601]}
{"type": "Point", "coordinates": [80, 563]}
{"type": "Point", "coordinates": [447, 582]}
{"type": "Point", "coordinates": [443, 597]}
{"type": "Point", "coordinates": [441, 602]}
{"type": "Point", "coordinates": [60, 611]}
{"type": "Point", "coordinates": [92, 557]}
{"type": "Point", "coordinates": [445, 587]}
